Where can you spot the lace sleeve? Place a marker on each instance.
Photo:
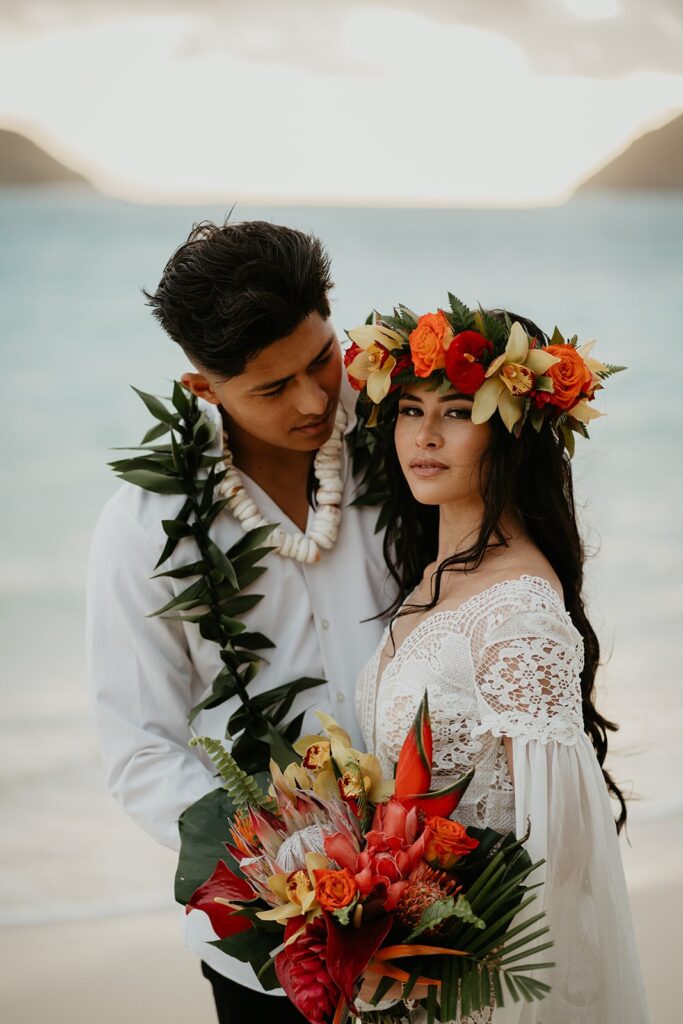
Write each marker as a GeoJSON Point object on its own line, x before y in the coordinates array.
{"type": "Point", "coordinates": [527, 671]}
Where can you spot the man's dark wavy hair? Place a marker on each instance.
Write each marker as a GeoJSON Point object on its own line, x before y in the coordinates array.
{"type": "Point", "coordinates": [532, 475]}
{"type": "Point", "coordinates": [233, 289]}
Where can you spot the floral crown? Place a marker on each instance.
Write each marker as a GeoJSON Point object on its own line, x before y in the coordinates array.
{"type": "Point", "coordinates": [487, 356]}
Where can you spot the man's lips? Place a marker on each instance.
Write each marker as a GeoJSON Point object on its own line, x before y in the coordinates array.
{"type": "Point", "coordinates": [427, 467]}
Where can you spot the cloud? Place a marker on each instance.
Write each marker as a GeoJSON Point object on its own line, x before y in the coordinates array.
{"type": "Point", "coordinates": [644, 35]}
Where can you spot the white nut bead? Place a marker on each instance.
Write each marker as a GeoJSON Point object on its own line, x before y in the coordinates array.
{"type": "Point", "coordinates": [236, 497]}
{"type": "Point", "coordinates": [245, 508]}
{"type": "Point", "coordinates": [321, 539]}
{"type": "Point", "coordinates": [252, 522]}
{"type": "Point", "coordinates": [287, 545]}
{"type": "Point", "coordinates": [333, 498]}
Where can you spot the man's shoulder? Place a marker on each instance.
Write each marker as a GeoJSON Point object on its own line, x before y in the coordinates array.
{"type": "Point", "coordinates": [134, 509]}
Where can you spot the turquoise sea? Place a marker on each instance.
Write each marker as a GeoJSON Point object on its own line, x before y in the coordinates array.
{"type": "Point", "coordinates": [75, 333]}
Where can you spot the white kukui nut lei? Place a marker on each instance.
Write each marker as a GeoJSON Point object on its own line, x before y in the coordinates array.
{"type": "Point", "coordinates": [304, 547]}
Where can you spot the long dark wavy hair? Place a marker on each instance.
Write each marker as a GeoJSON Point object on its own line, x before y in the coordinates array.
{"type": "Point", "coordinates": [530, 476]}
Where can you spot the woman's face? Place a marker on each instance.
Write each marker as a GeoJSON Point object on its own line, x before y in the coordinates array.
{"type": "Point", "coordinates": [438, 446]}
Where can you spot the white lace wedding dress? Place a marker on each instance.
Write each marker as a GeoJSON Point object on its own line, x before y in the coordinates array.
{"type": "Point", "coordinates": [507, 663]}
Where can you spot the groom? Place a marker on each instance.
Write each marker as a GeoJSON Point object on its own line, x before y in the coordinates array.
{"type": "Point", "coordinates": [248, 305]}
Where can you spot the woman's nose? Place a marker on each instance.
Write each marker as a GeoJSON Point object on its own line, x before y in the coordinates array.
{"type": "Point", "coordinates": [428, 436]}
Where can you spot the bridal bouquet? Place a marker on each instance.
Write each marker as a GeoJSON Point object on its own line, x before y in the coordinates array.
{"type": "Point", "coordinates": [333, 876]}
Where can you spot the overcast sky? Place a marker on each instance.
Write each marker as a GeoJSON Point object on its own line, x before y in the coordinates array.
{"type": "Point", "coordinates": [445, 101]}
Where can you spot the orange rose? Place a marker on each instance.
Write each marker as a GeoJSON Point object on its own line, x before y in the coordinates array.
{"type": "Point", "coordinates": [335, 889]}
{"type": "Point", "coordinates": [571, 377]}
{"type": "Point", "coordinates": [446, 842]}
{"type": "Point", "coordinates": [429, 342]}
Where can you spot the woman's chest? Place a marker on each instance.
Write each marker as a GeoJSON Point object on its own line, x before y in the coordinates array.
{"type": "Point", "coordinates": [436, 659]}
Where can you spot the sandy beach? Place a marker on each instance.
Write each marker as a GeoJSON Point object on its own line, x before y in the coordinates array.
{"type": "Point", "coordinates": [134, 969]}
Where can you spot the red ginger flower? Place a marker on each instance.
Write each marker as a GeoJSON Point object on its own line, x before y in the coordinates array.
{"type": "Point", "coordinates": [464, 361]}
{"type": "Point", "coordinates": [391, 852]}
{"type": "Point", "coordinates": [302, 971]}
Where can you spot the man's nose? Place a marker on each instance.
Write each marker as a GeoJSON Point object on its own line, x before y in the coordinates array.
{"type": "Point", "coordinates": [312, 400]}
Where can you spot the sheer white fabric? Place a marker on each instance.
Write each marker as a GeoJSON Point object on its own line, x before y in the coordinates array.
{"type": "Point", "coordinates": [508, 663]}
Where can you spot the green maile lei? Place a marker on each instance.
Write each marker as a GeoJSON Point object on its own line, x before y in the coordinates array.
{"type": "Point", "coordinates": [214, 599]}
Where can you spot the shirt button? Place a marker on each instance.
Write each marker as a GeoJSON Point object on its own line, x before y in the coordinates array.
{"type": "Point", "coordinates": [325, 624]}
{"type": "Point", "coordinates": [340, 697]}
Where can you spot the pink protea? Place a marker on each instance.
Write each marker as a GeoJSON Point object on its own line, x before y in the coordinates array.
{"type": "Point", "coordinates": [302, 972]}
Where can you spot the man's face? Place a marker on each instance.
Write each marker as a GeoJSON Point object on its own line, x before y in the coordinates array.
{"type": "Point", "coordinates": [287, 395]}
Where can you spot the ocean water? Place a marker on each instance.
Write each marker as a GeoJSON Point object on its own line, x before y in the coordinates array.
{"type": "Point", "coordinates": [75, 333]}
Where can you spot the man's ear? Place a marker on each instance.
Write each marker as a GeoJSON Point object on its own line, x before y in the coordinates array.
{"type": "Point", "coordinates": [200, 386]}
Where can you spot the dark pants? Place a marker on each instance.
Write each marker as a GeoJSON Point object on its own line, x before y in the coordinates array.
{"type": "Point", "coordinates": [237, 1004]}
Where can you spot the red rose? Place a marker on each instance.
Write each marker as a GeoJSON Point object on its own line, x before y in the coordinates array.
{"type": "Point", "coordinates": [402, 363]}
{"type": "Point", "coordinates": [464, 361]}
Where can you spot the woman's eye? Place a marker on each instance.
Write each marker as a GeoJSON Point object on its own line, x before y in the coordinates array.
{"type": "Point", "coordinates": [408, 410]}
{"type": "Point", "coordinates": [460, 414]}
{"type": "Point", "coordinates": [272, 394]}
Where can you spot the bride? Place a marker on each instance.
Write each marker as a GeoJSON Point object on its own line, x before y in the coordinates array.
{"type": "Point", "coordinates": [476, 414]}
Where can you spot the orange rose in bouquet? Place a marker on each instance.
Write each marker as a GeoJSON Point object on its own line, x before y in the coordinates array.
{"type": "Point", "coordinates": [335, 890]}
{"type": "Point", "coordinates": [446, 842]}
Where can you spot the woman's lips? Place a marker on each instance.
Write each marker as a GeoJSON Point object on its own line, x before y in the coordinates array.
{"type": "Point", "coordinates": [427, 467]}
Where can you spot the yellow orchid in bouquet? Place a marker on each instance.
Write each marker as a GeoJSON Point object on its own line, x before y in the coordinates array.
{"type": "Point", "coordinates": [339, 769]}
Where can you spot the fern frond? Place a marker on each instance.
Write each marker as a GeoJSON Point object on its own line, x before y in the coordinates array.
{"type": "Point", "coordinates": [242, 788]}
{"type": "Point", "coordinates": [610, 369]}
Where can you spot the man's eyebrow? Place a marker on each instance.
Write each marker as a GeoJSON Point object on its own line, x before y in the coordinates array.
{"type": "Point", "coordinates": [283, 380]}
{"type": "Point", "coordinates": [451, 397]}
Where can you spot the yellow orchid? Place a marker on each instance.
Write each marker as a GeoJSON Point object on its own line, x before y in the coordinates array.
{"type": "Point", "coordinates": [374, 362]}
{"type": "Point", "coordinates": [296, 890]}
{"type": "Point", "coordinates": [376, 787]}
{"type": "Point", "coordinates": [287, 782]}
{"type": "Point", "coordinates": [509, 378]}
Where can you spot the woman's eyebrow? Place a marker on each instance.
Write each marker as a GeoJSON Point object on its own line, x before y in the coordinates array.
{"type": "Point", "coordinates": [451, 397]}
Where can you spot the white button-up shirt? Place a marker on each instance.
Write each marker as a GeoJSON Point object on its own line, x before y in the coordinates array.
{"type": "Point", "coordinates": [147, 673]}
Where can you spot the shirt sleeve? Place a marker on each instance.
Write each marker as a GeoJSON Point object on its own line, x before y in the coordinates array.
{"type": "Point", "coordinates": [140, 675]}
{"type": "Point", "coordinates": [528, 682]}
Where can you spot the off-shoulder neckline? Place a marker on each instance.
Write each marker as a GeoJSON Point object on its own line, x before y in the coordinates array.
{"type": "Point", "coordinates": [462, 608]}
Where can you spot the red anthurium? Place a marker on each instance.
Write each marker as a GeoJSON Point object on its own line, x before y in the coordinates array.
{"type": "Point", "coordinates": [441, 802]}
{"type": "Point", "coordinates": [349, 950]}
{"type": "Point", "coordinates": [224, 885]}
{"type": "Point", "coordinates": [414, 768]}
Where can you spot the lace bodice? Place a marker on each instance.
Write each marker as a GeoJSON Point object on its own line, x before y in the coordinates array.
{"type": "Point", "coordinates": [507, 662]}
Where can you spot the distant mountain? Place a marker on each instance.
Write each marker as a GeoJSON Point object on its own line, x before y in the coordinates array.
{"type": "Point", "coordinates": [24, 163]}
{"type": "Point", "coordinates": [654, 161]}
